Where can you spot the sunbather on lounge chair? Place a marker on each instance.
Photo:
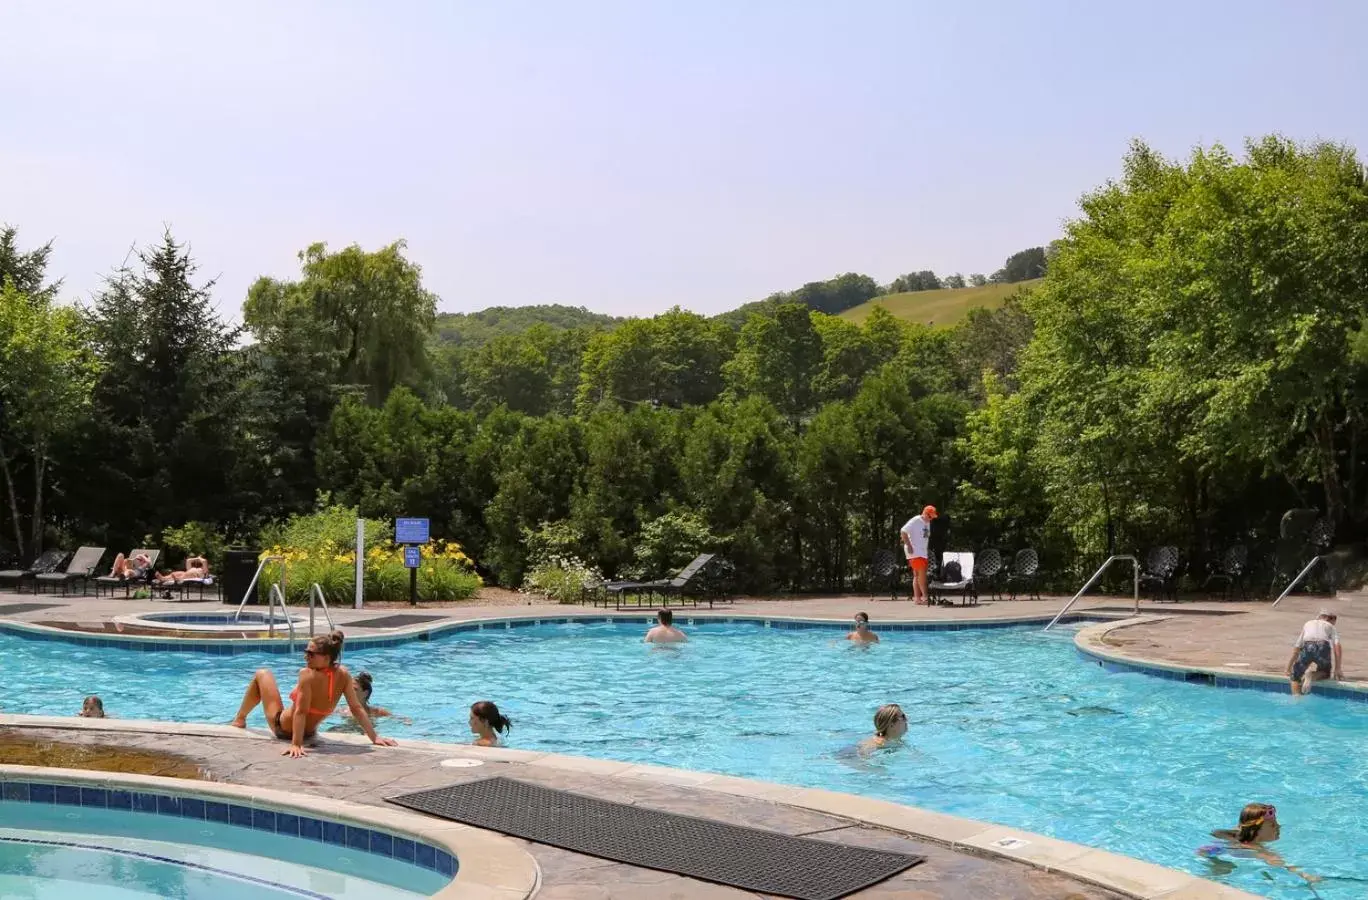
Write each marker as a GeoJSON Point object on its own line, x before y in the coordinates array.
{"type": "Point", "coordinates": [196, 568]}
{"type": "Point", "coordinates": [131, 567]}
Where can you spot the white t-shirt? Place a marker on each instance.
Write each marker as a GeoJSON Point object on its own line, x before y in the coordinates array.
{"type": "Point", "coordinates": [918, 531]}
{"type": "Point", "coordinates": [1318, 630]}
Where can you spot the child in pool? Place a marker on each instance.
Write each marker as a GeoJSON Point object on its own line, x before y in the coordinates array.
{"type": "Point", "coordinates": [890, 724]}
{"type": "Point", "coordinates": [92, 708]}
{"type": "Point", "coordinates": [487, 723]}
{"type": "Point", "coordinates": [1258, 826]}
{"type": "Point", "coordinates": [365, 684]}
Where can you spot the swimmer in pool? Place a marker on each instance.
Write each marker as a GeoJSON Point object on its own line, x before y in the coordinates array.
{"type": "Point", "coordinates": [664, 632]}
{"type": "Point", "coordinates": [92, 708]}
{"type": "Point", "coordinates": [487, 723]}
{"type": "Point", "coordinates": [322, 682]}
{"type": "Point", "coordinates": [862, 633]}
{"type": "Point", "coordinates": [890, 724]}
{"type": "Point", "coordinates": [365, 684]}
{"type": "Point", "coordinates": [1258, 827]}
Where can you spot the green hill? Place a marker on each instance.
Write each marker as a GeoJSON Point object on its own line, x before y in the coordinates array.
{"type": "Point", "coordinates": [478, 328]}
{"type": "Point", "coordinates": [943, 307]}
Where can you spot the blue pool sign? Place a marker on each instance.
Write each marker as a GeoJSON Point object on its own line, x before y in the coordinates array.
{"type": "Point", "coordinates": [413, 557]}
{"type": "Point", "coordinates": [411, 531]}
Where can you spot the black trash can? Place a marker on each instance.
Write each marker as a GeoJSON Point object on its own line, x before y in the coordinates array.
{"type": "Point", "coordinates": [238, 568]}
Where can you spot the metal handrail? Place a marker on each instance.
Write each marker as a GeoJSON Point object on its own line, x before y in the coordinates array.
{"type": "Point", "coordinates": [252, 586]}
{"type": "Point", "coordinates": [1135, 565]}
{"type": "Point", "coordinates": [1296, 581]}
{"type": "Point", "coordinates": [316, 592]}
{"type": "Point", "coordinates": [271, 597]}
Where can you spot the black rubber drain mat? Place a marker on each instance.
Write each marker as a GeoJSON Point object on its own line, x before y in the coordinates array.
{"type": "Point", "coordinates": [18, 608]}
{"type": "Point", "coordinates": [748, 858]}
{"type": "Point", "coordinates": [394, 621]}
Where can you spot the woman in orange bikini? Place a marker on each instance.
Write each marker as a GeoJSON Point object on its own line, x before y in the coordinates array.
{"type": "Point", "coordinates": [322, 682]}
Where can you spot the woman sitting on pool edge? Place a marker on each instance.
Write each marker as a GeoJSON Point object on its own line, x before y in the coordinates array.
{"type": "Point", "coordinates": [1258, 826]}
{"type": "Point", "coordinates": [322, 682]}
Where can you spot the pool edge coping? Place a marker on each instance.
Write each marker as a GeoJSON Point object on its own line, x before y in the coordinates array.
{"type": "Point", "coordinates": [1131, 877]}
{"type": "Point", "coordinates": [1088, 642]}
{"type": "Point", "coordinates": [490, 866]}
{"type": "Point", "coordinates": [24, 628]}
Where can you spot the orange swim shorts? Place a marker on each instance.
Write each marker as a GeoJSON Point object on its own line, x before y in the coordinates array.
{"type": "Point", "coordinates": [917, 563]}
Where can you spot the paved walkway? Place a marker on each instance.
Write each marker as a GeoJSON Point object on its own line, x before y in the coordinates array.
{"type": "Point", "coordinates": [360, 773]}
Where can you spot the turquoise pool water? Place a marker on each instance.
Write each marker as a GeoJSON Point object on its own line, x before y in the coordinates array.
{"type": "Point", "coordinates": [1007, 725]}
{"type": "Point", "coordinates": [50, 852]}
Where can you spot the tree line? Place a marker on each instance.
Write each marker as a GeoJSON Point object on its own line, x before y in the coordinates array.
{"type": "Point", "coordinates": [1191, 365]}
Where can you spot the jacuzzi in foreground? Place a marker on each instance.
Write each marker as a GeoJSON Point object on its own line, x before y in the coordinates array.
{"type": "Point", "coordinates": [100, 836]}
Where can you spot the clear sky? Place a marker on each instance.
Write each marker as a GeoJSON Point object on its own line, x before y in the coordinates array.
{"type": "Point", "coordinates": [628, 155]}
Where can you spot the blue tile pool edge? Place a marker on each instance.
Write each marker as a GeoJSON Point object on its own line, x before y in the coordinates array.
{"type": "Point", "coordinates": [39, 632]}
{"type": "Point", "coordinates": [1214, 678]}
{"type": "Point", "coordinates": [257, 817]}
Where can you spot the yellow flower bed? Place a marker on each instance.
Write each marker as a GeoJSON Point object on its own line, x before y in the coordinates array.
{"type": "Point", "coordinates": [446, 573]}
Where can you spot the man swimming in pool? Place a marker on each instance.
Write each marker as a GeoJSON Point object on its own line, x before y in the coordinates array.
{"type": "Point", "coordinates": [862, 633]}
{"type": "Point", "coordinates": [322, 682]}
{"type": "Point", "coordinates": [664, 632]}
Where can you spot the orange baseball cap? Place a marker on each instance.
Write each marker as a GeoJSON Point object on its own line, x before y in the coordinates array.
{"type": "Point", "coordinates": [930, 512]}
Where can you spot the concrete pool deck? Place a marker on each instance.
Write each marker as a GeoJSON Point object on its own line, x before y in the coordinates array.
{"type": "Point", "coordinates": [965, 859]}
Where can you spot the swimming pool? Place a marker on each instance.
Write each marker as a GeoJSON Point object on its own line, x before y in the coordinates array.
{"type": "Point", "coordinates": [1007, 724]}
{"type": "Point", "coordinates": [124, 842]}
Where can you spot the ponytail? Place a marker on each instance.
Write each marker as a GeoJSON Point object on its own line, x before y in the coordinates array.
{"type": "Point", "coordinates": [487, 712]}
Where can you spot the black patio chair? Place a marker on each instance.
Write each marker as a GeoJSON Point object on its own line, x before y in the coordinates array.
{"type": "Point", "coordinates": [80, 570]}
{"type": "Point", "coordinates": [1024, 572]}
{"type": "Point", "coordinates": [1159, 575]}
{"type": "Point", "coordinates": [988, 572]}
{"type": "Point", "coordinates": [681, 585]}
{"type": "Point", "coordinates": [1230, 573]}
{"type": "Point", "coordinates": [885, 572]}
{"type": "Point", "coordinates": [47, 561]}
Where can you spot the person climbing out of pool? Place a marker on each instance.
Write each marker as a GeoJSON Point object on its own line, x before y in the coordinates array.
{"type": "Point", "coordinates": [92, 708]}
{"type": "Point", "coordinates": [890, 724]}
{"type": "Point", "coordinates": [322, 682]}
{"type": "Point", "coordinates": [862, 633]}
{"type": "Point", "coordinates": [487, 723]}
{"type": "Point", "coordinates": [916, 543]}
{"type": "Point", "coordinates": [1316, 655]}
{"type": "Point", "coordinates": [365, 684]}
{"type": "Point", "coordinates": [1258, 827]}
{"type": "Point", "coordinates": [664, 631]}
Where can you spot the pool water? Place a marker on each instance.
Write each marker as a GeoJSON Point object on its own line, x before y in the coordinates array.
{"type": "Point", "coordinates": [1008, 725]}
{"type": "Point", "coordinates": [59, 852]}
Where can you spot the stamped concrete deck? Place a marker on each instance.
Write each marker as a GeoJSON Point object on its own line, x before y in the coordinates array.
{"type": "Point", "coordinates": [346, 770]}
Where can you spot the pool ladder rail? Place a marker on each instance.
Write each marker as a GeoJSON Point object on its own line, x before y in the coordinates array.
{"type": "Point", "coordinates": [1135, 569]}
{"type": "Point", "coordinates": [276, 595]}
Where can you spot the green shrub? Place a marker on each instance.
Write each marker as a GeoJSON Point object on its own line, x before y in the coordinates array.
{"type": "Point", "coordinates": [563, 579]}
{"type": "Point", "coordinates": [193, 539]}
{"type": "Point", "coordinates": [670, 543]}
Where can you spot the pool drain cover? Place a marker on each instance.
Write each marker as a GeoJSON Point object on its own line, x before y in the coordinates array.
{"type": "Point", "coordinates": [461, 763]}
{"type": "Point", "coordinates": [766, 862]}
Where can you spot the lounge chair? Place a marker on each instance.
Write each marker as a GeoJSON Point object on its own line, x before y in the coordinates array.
{"type": "Point", "coordinates": [1159, 575]}
{"type": "Point", "coordinates": [664, 588]}
{"type": "Point", "coordinates": [110, 582]}
{"type": "Point", "coordinates": [1230, 574]}
{"type": "Point", "coordinates": [48, 561]}
{"type": "Point", "coordinates": [1025, 569]}
{"type": "Point", "coordinates": [885, 571]}
{"type": "Point", "coordinates": [954, 575]}
{"type": "Point", "coordinates": [81, 569]}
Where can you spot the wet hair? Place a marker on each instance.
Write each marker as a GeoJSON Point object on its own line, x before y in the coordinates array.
{"type": "Point", "coordinates": [1252, 818]}
{"type": "Point", "coordinates": [885, 717]}
{"type": "Point", "coordinates": [95, 702]}
{"type": "Point", "coordinates": [364, 683]}
{"type": "Point", "coordinates": [488, 713]}
{"type": "Point", "coordinates": [331, 644]}
{"type": "Point", "coordinates": [862, 617]}
{"type": "Point", "coordinates": [666, 617]}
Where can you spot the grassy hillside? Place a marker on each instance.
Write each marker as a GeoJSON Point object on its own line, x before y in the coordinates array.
{"type": "Point", "coordinates": [943, 307]}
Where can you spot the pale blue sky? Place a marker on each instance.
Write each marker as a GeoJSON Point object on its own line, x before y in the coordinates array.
{"type": "Point", "coordinates": [632, 155]}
